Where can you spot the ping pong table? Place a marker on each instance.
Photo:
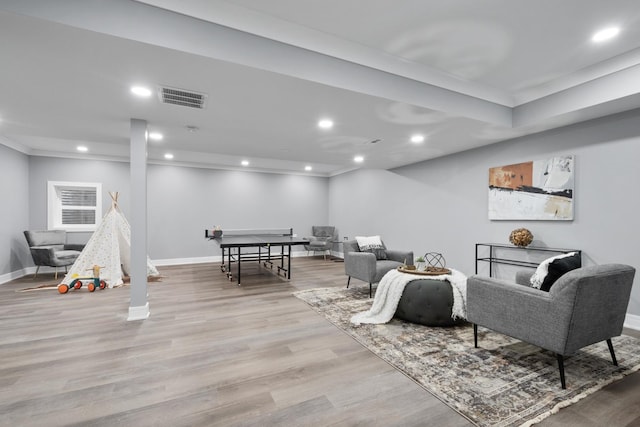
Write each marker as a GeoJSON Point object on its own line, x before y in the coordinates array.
{"type": "Point", "coordinates": [256, 245]}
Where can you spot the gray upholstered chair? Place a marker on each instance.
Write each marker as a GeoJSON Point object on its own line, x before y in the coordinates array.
{"type": "Point", "coordinates": [50, 248]}
{"type": "Point", "coordinates": [583, 307]}
{"type": "Point", "coordinates": [321, 239]}
{"type": "Point", "coordinates": [364, 265]}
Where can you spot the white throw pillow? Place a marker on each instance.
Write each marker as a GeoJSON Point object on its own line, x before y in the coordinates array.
{"type": "Point", "coordinates": [372, 244]}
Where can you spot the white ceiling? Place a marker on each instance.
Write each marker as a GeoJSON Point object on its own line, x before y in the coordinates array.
{"type": "Point", "coordinates": [464, 73]}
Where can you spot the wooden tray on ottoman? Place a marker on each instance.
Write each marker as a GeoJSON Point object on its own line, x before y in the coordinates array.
{"type": "Point", "coordinates": [431, 271]}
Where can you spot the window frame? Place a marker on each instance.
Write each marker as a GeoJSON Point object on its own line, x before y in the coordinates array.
{"type": "Point", "coordinates": [54, 204]}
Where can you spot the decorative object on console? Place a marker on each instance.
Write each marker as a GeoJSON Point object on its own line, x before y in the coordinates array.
{"type": "Point", "coordinates": [521, 237]}
{"type": "Point", "coordinates": [535, 190]}
{"type": "Point", "coordinates": [551, 269]}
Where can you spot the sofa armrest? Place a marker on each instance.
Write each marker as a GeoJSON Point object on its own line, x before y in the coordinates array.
{"type": "Point", "coordinates": [42, 256]}
{"type": "Point", "coordinates": [400, 256]}
{"type": "Point", "coordinates": [73, 247]}
{"type": "Point", "coordinates": [361, 265]}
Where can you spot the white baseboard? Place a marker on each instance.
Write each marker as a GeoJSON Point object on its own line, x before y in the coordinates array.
{"type": "Point", "coordinates": [181, 261]}
{"type": "Point", "coordinates": [30, 270]}
{"type": "Point", "coordinates": [632, 321]}
{"type": "Point", "coordinates": [157, 262]}
{"type": "Point", "coordinates": [140, 312]}
{"type": "Point", "coordinates": [15, 275]}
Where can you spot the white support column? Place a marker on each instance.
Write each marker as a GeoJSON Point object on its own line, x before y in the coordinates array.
{"type": "Point", "coordinates": [138, 306]}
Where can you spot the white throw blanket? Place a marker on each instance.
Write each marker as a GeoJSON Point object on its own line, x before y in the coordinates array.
{"type": "Point", "coordinates": [392, 286]}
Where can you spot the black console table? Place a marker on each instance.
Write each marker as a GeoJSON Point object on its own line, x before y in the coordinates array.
{"type": "Point", "coordinates": [493, 259]}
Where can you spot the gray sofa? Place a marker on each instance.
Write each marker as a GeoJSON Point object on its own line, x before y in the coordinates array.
{"type": "Point", "coordinates": [364, 265]}
{"type": "Point", "coordinates": [583, 307]}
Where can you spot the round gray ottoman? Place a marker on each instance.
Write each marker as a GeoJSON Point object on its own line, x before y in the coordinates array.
{"type": "Point", "coordinates": [427, 302]}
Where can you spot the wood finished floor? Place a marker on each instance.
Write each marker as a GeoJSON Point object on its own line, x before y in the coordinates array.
{"type": "Point", "coordinates": [215, 354]}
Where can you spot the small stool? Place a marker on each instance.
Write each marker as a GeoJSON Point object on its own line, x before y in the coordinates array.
{"type": "Point", "coordinates": [427, 302]}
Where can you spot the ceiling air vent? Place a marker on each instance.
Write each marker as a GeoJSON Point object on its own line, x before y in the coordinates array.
{"type": "Point", "coordinates": [185, 98]}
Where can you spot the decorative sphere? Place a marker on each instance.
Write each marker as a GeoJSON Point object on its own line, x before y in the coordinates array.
{"type": "Point", "coordinates": [521, 237]}
{"type": "Point", "coordinates": [435, 259]}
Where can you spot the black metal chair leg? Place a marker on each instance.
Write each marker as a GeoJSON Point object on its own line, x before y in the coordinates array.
{"type": "Point", "coordinates": [561, 367]}
{"type": "Point", "coordinates": [475, 335]}
{"type": "Point", "coordinates": [613, 354]}
{"type": "Point", "coordinates": [348, 281]}
{"type": "Point", "coordinates": [370, 289]}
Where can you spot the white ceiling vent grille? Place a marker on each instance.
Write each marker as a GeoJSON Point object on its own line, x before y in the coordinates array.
{"type": "Point", "coordinates": [185, 98]}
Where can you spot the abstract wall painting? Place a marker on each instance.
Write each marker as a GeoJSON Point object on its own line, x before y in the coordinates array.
{"type": "Point", "coordinates": [536, 190]}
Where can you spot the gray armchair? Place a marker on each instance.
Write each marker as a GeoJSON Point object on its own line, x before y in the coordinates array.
{"type": "Point", "coordinates": [364, 265]}
{"type": "Point", "coordinates": [321, 239]}
{"type": "Point", "coordinates": [583, 307]}
{"type": "Point", "coordinates": [50, 248]}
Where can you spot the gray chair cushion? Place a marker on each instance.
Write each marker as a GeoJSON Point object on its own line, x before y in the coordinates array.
{"type": "Point", "coordinates": [67, 254]}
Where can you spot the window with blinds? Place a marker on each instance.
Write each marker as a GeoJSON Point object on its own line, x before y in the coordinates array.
{"type": "Point", "coordinates": [74, 206]}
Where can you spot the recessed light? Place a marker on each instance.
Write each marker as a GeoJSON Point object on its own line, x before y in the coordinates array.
{"type": "Point", "coordinates": [358, 159]}
{"type": "Point", "coordinates": [417, 139]}
{"type": "Point", "coordinates": [156, 136]}
{"type": "Point", "coordinates": [245, 163]}
{"type": "Point", "coordinates": [141, 91]}
{"type": "Point", "coordinates": [308, 168]}
{"type": "Point", "coordinates": [605, 34]}
{"type": "Point", "coordinates": [82, 148]}
{"type": "Point", "coordinates": [325, 124]}
{"type": "Point", "coordinates": [168, 156]}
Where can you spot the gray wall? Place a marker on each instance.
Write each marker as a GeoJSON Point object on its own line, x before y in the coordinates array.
{"type": "Point", "coordinates": [441, 205]}
{"type": "Point", "coordinates": [185, 201]}
{"type": "Point", "coordinates": [14, 215]}
{"type": "Point", "coordinates": [182, 202]}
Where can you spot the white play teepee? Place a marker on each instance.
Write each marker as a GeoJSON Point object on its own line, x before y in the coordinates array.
{"type": "Point", "coordinates": [110, 248]}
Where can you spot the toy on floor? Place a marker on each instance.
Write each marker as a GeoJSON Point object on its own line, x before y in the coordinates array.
{"type": "Point", "coordinates": [92, 283]}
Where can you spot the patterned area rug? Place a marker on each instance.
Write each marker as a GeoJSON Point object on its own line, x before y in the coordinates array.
{"type": "Point", "coordinates": [504, 382]}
